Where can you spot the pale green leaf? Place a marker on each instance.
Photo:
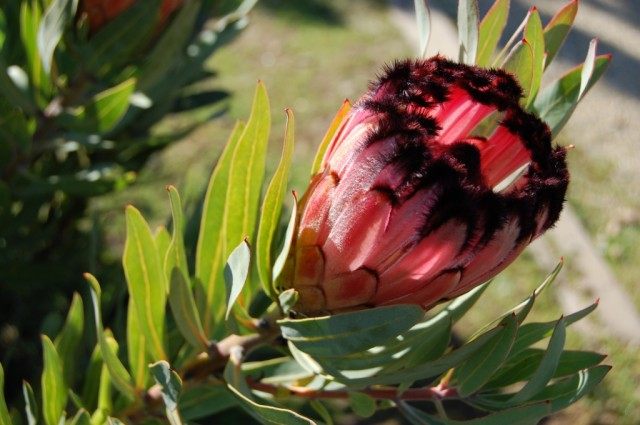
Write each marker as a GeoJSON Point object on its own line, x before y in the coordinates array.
{"type": "Point", "coordinates": [281, 261]}
{"type": "Point", "coordinates": [136, 347]}
{"type": "Point", "coordinates": [491, 29]}
{"type": "Point", "coordinates": [468, 32]}
{"type": "Point", "coordinates": [423, 19]}
{"type": "Point", "coordinates": [169, 381]}
{"type": "Point", "coordinates": [81, 418]}
{"type": "Point", "coordinates": [362, 404]}
{"type": "Point", "coordinates": [5, 419]}
{"type": "Point", "coordinates": [236, 272]}
{"type": "Point", "coordinates": [56, 18]}
{"type": "Point", "coordinates": [271, 207]}
{"type": "Point", "coordinates": [209, 261]}
{"type": "Point", "coordinates": [54, 389]}
{"type": "Point", "coordinates": [30, 404]}
{"type": "Point", "coordinates": [146, 281]}
{"type": "Point", "coordinates": [557, 29]}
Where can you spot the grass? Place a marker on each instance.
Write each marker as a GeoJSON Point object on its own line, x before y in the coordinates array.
{"type": "Point", "coordinates": [312, 55]}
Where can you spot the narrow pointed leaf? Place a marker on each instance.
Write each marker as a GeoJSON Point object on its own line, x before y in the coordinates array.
{"type": "Point", "coordinates": [547, 367]}
{"type": "Point", "coordinates": [491, 29]}
{"type": "Point", "coordinates": [568, 391]}
{"type": "Point", "coordinates": [4, 411]}
{"type": "Point", "coordinates": [146, 281]}
{"type": "Point", "coordinates": [69, 339]}
{"type": "Point", "coordinates": [468, 32]}
{"type": "Point", "coordinates": [176, 255]}
{"type": "Point", "coordinates": [30, 404]}
{"type": "Point", "coordinates": [587, 68]}
{"type": "Point", "coordinates": [337, 121]}
{"type": "Point", "coordinates": [476, 371]}
{"type": "Point", "coordinates": [557, 29]}
{"type": "Point", "coordinates": [185, 312]}
{"type": "Point", "coordinates": [103, 112]}
{"type": "Point", "coordinates": [280, 262]}
{"type": "Point", "coordinates": [119, 375]}
{"type": "Point", "coordinates": [136, 347]}
{"type": "Point", "coordinates": [209, 261]}
{"type": "Point", "coordinates": [423, 19]}
{"type": "Point", "coordinates": [271, 207]}
{"type": "Point", "coordinates": [81, 418]}
{"type": "Point", "coordinates": [521, 64]}
{"type": "Point", "coordinates": [555, 103]}
{"type": "Point", "coordinates": [56, 18]}
{"type": "Point", "coordinates": [533, 33]}
{"type": "Point", "coordinates": [54, 389]}
{"type": "Point", "coordinates": [236, 272]}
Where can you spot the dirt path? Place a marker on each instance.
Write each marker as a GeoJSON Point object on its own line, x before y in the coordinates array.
{"type": "Point", "coordinates": [613, 105]}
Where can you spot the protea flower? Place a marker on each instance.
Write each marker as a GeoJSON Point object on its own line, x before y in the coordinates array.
{"type": "Point", "coordinates": [413, 204]}
{"type": "Point", "coordinates": [100, 12]}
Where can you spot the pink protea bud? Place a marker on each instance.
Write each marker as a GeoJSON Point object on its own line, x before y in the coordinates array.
{"type": "Point", "coordinates": [101, 12]}
{"type": "Point", "coordinates": [413, 204]}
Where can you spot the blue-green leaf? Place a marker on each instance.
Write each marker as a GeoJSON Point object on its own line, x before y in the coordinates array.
{"type": "Point", "coordinates": [557, 29]}
{"type": "Point", "coordinates": [351, 332]}
{"type": "Point", "coordinates": [169, 382]}
{"type": "Point", "coordinates": [547, 367]}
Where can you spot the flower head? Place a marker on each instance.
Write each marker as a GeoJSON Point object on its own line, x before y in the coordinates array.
{"type": "Point", "coordinates": [435, 181]}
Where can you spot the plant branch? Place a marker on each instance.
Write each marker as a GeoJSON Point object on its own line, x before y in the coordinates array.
{"type": "Point", "coordinates": [387, 393]}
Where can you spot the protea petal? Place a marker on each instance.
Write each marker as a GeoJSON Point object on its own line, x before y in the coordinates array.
{"type": "Point", "coordinates": [412, 206]}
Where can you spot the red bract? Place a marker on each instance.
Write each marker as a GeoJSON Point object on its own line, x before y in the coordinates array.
{"type": "Point", "coordinates": [413, 205]}
{"type": "Point", "coordinates": [100, 12]}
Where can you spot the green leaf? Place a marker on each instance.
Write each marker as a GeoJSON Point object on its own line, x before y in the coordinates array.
{"type": "Point", "coordinates": [533, 33]}
{"type": "Point", "coordinates": [522, 366]}
{"type": "Point", "coordinates": [70, 337]}
{"type": "Point", "coordinates": [136, 347]}
{"type": "Point", "coordinates": [321, 410]}
{"type": "Point", "coordinates": [146, 281]}
{"type": "Point", "coordinates": [555, 103]}
{"type": "Point", "coordinates": [209, 260]}
{"type": "Point", "coordinates": [104, 405]}
{"type": "Point", "coordinates": [236, 272]}
{"type": "Point", "coordinates": [520, 63]}
{"type": "Point", "coordinates": [429, 369]}
{"type": "Point", "coordinates": [185, 312]}
{"type": "Point", "coordinates": [54, 389]}
{"type": "Point", "coordinates": [57, 16]}
{"type": "Point", "coordinates": [468, 30]}
{"type": "Point", "coordinates": [347, 333]}
{"type": "Point", "coordinates": [522, 415]}
{"type": "Point", "coordinates": [176, 255]}
{"type": "Point", "coordinates": [362, 404]}
{"type": "Point", "coordinates": [275, 371]}
{"type": "Point", "coordinates": [30, 404]}
{"type": "Point", "coordinates": [261, 412]}
{"type": "Point", "coordinates": [169, 46]}
{"type": "Point", "coordinates": [205, 400]}
{"type": "Point", "coordinates": [91, 379]}
{"type": "Point", "coordinates": [530, 333]}
{"type": "Point", "coordinates": [170, 383]}
{"type": "Point", "coordinates": [288, 299]}
{"type": "Point", "coordinates": [476, 371]}
{"type": "Point", "coordinates": [114, 44]}
{"type": "Point", "coordinates": [30, 17]}
{"type": "Point", "coordinates": [336, 123]}
{"type": "Point", "coordinates": [4, 412]}
{"type": "Point", "coordinates": [547, 367]}
{"type": "Point", "coordinates": [119, 375]}
{"type": "Point", "coordinates": [557, 29]}
{"type": "Point", "coordinates": [568, 391]}
{"type": "Point", "coordinates": [271, 207]}
{"type": "Point", "coordinates": [281, 261]}
{"type": "Point", "coordinates": [104, 110]}
{"type": "Point", "coordinates": [423, 19]}
{"type": "Point", "coordinates": [491, 29]}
